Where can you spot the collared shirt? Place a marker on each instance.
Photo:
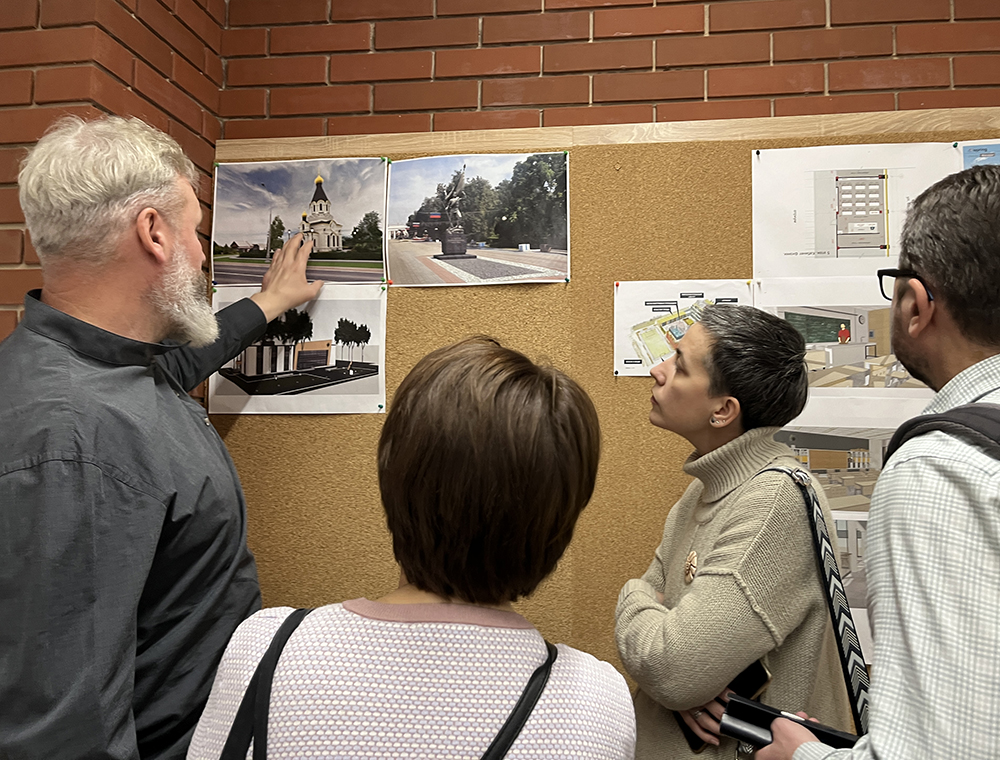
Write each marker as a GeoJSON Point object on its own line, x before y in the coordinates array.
{"type": "Point", "coordinates": [123, 560]}
{"type": "Point", "coordinates": [933, 569]}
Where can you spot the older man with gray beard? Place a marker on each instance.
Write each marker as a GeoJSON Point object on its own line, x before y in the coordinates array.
{"type": "Point", "coordinates": [124, 567]}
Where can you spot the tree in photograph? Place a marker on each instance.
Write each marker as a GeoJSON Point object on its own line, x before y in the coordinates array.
{"type": "Point", "coordinates": [277, 231]}
{"type": "Point", "coordinates": [366, 238]}
{"type": "Point", "coordinates": [339, 334]}
{"type": "Point", "coordinates": [298, 329]}
{"type": "Point", "coordinates": [364, 335]}
{"type": "Point", "coordinates": [288, 330]}
{"type": "Point", "coordinates": [533, 203]}
{"type": "Point", "coordinates": [479, 209]}
{"type": "Point", "coordinates": [298, 325]}
{"type": "Point", "coordinates": [346, 335]}
{"type": "Point", "coordinates": [434, 202]}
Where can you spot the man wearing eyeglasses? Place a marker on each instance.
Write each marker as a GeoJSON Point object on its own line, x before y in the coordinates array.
{"type": "Point", "coordinates": [933, 559]}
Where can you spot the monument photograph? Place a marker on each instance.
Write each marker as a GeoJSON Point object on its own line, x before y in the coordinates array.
{"type": "Point", "coordinates": [338, 204]}
{"type": "Point", "coordinates": [478, 220]}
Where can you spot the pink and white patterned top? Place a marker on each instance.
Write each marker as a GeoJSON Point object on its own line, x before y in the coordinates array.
{"type": "Point", "coordinates": [367, 679]}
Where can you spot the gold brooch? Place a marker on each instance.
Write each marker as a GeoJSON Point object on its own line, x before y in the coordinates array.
{"type": "Point", "coordinates": [690, 566]}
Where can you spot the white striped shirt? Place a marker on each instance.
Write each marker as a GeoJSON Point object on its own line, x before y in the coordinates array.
{"type": "Point", "coordinates": [934, 582]}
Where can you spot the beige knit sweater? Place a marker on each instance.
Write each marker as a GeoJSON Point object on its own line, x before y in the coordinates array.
{"type": "Point", "coordinates": [757, 593]}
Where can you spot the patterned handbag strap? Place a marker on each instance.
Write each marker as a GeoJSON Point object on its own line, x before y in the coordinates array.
{"type": "Point", "coordinates": [851, 660]}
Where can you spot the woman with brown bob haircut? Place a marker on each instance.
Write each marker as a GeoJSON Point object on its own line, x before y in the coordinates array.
{"type": "Point", "coordinates": [486, 460]}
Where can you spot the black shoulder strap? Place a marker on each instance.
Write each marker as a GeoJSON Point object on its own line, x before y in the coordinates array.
{"type": "Point", "coordinates": [519, 715]}
{"type": "Point", "coordinates": [251, 717]}
{"type": "Point", "coordinates": [250, 722]}
{"type": "Point", "coordinates": [979, 424]}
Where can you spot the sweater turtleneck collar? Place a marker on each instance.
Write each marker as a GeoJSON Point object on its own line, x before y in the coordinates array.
{"type": "Point", "coordinates": [726, 468]}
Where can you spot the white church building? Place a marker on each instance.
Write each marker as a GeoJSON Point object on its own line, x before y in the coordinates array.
{"type": "Point", "coordinates": [318, 223]}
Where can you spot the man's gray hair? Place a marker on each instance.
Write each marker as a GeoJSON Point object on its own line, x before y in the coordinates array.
{"type": "Point", "coordinates": [952, 239]}
{"type": "Point", "coordinates": [83, 184]}
{"type": "Point", "coordinates": [758, 358]}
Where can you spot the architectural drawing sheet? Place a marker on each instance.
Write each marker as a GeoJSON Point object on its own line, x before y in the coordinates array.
{"type": "Point", "coordinates": [652, 315]}
{"type": "Point", "coordinates": [854, 377]}
{"type": "Point", "coordinates": [326, 357]}
{"type": "Point", "coordinates": [838, 210]}
{"type": "Point", "coordinates": [337, 203]}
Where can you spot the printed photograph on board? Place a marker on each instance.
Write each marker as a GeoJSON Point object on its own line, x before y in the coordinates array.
{"type": "Point", "coordinates": [326, 357]}
{"type": "Point", "coordinates": [338, 203]}
{"type": "Point", "coordinates": [478, 220]}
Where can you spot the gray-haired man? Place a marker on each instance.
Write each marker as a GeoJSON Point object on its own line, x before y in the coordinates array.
{"type": "Point", "coordinates": [933, 562]}
{"type": "Point", "coordinates": [123, 560]}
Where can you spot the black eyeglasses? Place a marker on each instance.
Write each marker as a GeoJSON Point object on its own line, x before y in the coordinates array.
{"type": "Point", "coordinates": [892, 274]}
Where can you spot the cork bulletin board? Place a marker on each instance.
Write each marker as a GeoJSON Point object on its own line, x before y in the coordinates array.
{"type": "Point", "coordinates": [647, 202]}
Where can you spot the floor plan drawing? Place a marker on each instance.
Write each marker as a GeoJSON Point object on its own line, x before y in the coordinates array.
{"type": "Point", "coordinates": [861, 213]}
{"type": "Point", "coordinates": [838, 210]}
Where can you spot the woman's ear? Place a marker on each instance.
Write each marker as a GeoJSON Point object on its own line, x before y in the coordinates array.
{"type": "Point", "coordinates": [726, 412]}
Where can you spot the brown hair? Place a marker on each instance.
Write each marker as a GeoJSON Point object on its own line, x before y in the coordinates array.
{"type": "Point", "coordinates": [485, 462]}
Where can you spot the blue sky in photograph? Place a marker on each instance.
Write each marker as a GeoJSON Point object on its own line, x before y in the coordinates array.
{"type": "Point", "coordinates": [413, 180]}
{"type": "Point", "coordinates": [246, 193]}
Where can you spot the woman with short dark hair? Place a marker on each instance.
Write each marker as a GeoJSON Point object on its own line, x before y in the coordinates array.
{"type": "Point", "coordinates": [734, 583]}
{"type": "Point", "coordinates": [485, 462]}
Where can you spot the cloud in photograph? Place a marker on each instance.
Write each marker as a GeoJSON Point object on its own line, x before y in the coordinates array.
{"type": "Point", "coordinates": [247, 194]}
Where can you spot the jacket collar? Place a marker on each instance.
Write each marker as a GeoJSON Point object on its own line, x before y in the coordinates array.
{"type": "Point", "coordinates": [85, 338]}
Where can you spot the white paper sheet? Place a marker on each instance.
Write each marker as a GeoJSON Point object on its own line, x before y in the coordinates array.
{"type": "Point", "coordinates": [335, 364]}
{"type": "Point", "coordinates": [838, 210]}
{"type": "Point", "coordinates": [854, 378]}
{"type": "Point", "coordinates": [652, 315]}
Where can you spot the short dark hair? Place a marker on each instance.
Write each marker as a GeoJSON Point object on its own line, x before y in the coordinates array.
{"type": "Point", "coordinates": [485, 462]}
{"type": "Point", "coordinates": [760, 359]}
{"type": "Point", "coordinates": [951, 237]}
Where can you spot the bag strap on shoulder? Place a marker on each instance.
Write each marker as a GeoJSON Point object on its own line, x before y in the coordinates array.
{"type": "Point", "coordinates": [852, 661]}
{"type": "Point", "coordinates": [978, 424]}
{"type": "Point", "coordinates": [519, 715]}
{"type": "Point", "coordinates": [250, 722]}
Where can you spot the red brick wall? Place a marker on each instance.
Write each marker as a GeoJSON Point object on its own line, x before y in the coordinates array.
{"type": "Point", "coordinates": [299, 67]}
{"type": "Point", "coordinates": [268, 68]}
